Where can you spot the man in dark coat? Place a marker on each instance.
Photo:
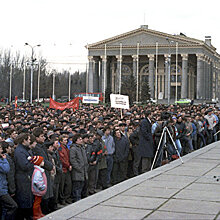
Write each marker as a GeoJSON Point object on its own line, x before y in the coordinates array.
{"type": "Point", "coordinates": [59, 171]}
{"type": "Point", "coordinates": [23, 173]}
{"type": "Point", "coordinates": [120, 157]}
{"type": "Point", "coordinates": [40, 150]}
{"type": "Point", "coordinates": [134, 139]}
{"type": "Point", "coordinates": [146, 144]}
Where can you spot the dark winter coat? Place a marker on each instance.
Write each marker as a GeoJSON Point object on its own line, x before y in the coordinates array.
{"type": "Point", "coordinates": [121, 149]}
{"type": "Point", "coordinates": [181, 129]}
{"type": "Point", "coordinates": [146, 145]}
{"type": "Point", "coordinates": [79, 163]}
{"type": "Point", "coordinates": [11, 176]}
{"type": "Point", "coordinates": [4, 169]}
{"type": "Point", "coordinates": [94, 151]}
{"type": "Point", "coordinates": [40, 150]}
{"type": "Point", "coordinates": [59, 169]}
{"type": "Point", "coordinates": [134, 137]}
{"type": "Point", "coordinates": [23, 174]}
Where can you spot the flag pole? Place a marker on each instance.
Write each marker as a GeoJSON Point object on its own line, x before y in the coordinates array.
{"type": "Point", "coordinates": [38, 83]}
{"type": "Point", "coordinates": [176, 67]}
{"type": "Point", "coordinates": [105, 62]}
{"type": "Point", "coordinates": [24, 80]}
{"type": "Point", "coordinates": [10, 85]}
{"type": "Point", "coordinates": [120, 57]}
{"type": "Point", "coordinates": [53, 85]}
{"type": "Point", "coordinates": [69, 84]}
{"type": "Point", "coordinates": [156, 92]}
{"type": "Point", "coordinates": [87, 73]}
{"type": "Point", "coordinates": [137, 92]}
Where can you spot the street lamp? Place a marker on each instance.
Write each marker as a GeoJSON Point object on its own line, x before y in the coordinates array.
{"type": "Point", "coordinates": [32, 67]}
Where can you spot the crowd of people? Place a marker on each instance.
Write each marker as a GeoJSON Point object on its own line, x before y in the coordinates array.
{"type": "Point", "coordinates": [50, 158]}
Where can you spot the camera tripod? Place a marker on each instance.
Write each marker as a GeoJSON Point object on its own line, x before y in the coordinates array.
{"type": "Point", "coordinates": [164, 133]}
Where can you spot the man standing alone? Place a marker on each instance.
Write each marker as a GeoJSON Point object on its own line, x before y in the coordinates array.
{"type": "Point", "coordinates": [146, 145]}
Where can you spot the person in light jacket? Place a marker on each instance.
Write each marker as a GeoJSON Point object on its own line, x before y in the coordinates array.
{"type": "Point", "coordinates": [38, 185]}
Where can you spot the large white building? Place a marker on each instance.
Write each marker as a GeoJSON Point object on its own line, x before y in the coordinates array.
{"type": "Point", "coordinates": [176, 66]}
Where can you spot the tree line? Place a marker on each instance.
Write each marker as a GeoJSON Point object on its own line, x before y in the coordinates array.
{"type": "Point", "coordinates": [21, 71]}
{"type": "Point", "coordinates": [18, 64]}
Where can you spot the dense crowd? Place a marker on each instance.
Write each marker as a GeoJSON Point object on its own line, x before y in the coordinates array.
{"type": "Point", "coordinates": [50, 158]}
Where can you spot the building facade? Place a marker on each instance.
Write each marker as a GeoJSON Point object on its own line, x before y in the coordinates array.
{"type": "Point", "coordinates": [175, 66]}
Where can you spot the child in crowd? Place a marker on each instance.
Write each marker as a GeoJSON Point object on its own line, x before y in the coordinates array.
{"type": "Point", "coordinates": [39, 185]}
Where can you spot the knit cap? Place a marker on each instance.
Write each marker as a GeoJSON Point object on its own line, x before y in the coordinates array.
{"type": "Point", "coordinates": [36, 160]}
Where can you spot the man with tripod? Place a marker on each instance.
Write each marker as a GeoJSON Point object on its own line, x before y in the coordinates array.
{"type": "Point", "coordinates": [146, 145]}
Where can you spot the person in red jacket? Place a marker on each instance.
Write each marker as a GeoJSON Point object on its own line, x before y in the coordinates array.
{"type": "Point", "coordinates": [66, 183]}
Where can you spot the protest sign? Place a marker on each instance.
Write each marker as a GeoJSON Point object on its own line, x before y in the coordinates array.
{"type": "Point", "coordinates": [90, 99]}
{"type": "Point", "coordinates": [119, 101]}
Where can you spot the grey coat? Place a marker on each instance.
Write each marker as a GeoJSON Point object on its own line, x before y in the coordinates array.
{"type": "Point", "coordinates": [79, 163]}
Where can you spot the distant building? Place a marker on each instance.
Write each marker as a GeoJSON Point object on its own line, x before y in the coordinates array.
{"type": "Point", "coordinates": [149, 52]}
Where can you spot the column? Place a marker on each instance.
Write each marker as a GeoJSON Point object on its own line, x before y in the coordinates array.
{"type": "Point", "coordinates": [151, 75]}
{"type": "Point", "coordinates": [90, 74]}
{"type": "Point", "coordinates": [184, 85]}
{"type": "Point", "coordinates": [100, 75]}
{"type": "Point", "coordinates": [216, 81]}
{"type": "Point", "coordinates": [210, 80]}
{"type": "Point", "coordinates": [199, 77]}
{"type": "Point", "coordinates": [96, 75]}
{"type": "Point", "coordinates": [118, 76]}
{"type": "Point", "coordinates": [104, 73]}
{"type": "Point", "coordinates": [166, 74]}
{"type": "Point", "coordinates": [135, 57]}
{"type": "Point", "coordinates": [206, 78]}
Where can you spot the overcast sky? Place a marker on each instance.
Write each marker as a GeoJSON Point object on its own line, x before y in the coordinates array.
{"type": "Point", "coordinates": [64, 27]}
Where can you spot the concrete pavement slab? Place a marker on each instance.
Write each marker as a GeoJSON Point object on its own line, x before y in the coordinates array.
{"type": "Point", "coordinates": [134, 202]}
{"type": "Point", "coordinates": [177, 215]}
{"type": "Point", "coordinates": [117, 213]}
{"type": "Point", "coordinates": [189, 206]}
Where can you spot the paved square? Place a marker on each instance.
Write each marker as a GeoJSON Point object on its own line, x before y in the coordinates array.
{"type": "Point", "coordinates": [174, 191]}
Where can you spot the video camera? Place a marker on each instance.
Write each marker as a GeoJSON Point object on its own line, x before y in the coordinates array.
{"type": "Point", "coordinates": [165, 116]}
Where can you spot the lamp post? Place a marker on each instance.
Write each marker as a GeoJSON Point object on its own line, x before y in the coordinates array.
{"type": "Point", "coordinates": [32, 68]}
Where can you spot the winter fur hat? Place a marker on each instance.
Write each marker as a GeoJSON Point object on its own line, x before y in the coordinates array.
{"type": "Point", "coordinates": [36, 160]}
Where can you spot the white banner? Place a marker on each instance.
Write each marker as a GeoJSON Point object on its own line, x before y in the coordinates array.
{"type": "Point", "coordinates": [119, 101]}
{"type": "Point", "coordinates": [90, 99]}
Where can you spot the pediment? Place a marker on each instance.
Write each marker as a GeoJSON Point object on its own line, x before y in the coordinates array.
{"type": "Point", "coordinates": [145, 37]}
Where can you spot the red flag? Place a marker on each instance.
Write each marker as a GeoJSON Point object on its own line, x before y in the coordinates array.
{"type": "Point", "coordinates": [16, 101]}
{"type": "Point", "coordinates": [74, 104]}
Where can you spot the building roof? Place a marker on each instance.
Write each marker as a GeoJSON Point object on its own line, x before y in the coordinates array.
{"type": "Point", "coordinates": [148, 38]}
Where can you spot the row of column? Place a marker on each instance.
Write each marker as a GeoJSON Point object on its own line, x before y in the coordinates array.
{"type": "Point", "coordinates": [204, 75]}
